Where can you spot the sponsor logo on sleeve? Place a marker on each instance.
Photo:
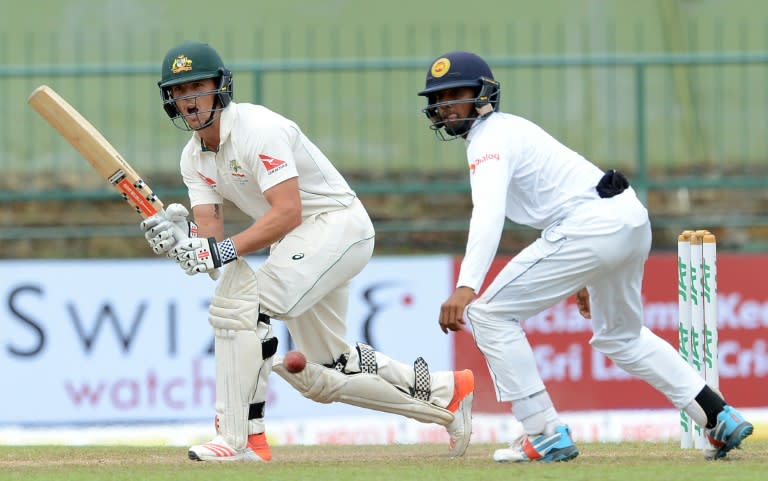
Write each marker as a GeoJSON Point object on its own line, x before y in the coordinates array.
{"type": "Point", "coordinates": [271, 164]}
{"type": "Point", "coordinates": [211, 182]}
{"type": "Point", "coordinates": [481, 160]}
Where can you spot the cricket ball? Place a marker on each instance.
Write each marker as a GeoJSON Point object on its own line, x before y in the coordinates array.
{"type": "Point", "coordinates": [294, 362]}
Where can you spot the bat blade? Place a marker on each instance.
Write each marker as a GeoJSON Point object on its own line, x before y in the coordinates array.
{"type": "Point", "coordinates": [92, 145]}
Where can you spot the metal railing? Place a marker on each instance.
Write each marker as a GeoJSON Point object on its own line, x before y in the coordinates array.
{"type": "Point", "coordinates": [665, 117]}
{"type": "Point", "coordinates": [672, 121]}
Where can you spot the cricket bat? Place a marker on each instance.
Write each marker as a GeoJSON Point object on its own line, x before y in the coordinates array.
{"type": "Point", "coordinates": [95, 149]}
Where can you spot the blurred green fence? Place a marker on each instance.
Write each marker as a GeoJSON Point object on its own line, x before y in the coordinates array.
{"type": "Point", "coordinates": [670, 120]}
{"type": "Point", "coordinates": [674, 122]}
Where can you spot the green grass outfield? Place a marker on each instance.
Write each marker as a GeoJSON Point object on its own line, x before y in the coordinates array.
{"type": "Point", "coordinates": [597, 462]}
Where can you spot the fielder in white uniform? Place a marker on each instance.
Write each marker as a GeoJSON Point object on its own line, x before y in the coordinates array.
{"type": "Point", "coordinates": [319, 235]}
{"type": "Point", "coordinates": [595, 240]}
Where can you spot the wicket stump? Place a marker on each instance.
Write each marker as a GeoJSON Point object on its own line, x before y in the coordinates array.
{"type": "Point", "coordinates": [697, 314]}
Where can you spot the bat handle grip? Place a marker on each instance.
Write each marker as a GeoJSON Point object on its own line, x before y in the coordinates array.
{"type": "Point", "coordinates": [214, 274]}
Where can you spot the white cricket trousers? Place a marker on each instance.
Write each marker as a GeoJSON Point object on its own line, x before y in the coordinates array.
{"type": "Point", "coordinates": [603, 245]}
{"type": "Point", "coordinates": [305, 283]}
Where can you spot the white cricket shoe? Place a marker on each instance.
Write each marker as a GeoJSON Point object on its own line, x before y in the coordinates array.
{"type": "Point", "coordinates": [460, 429]}
{"type": "Point", "coordinates": [256, 450]}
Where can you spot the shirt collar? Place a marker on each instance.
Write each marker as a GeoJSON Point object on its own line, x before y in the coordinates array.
{"type": "Point", "coordinates": [475, 125]}
{"type": "Point", "coordinates": [227, 121]}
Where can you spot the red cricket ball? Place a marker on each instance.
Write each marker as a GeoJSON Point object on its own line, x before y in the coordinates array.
{"type": "Point", "coordinates": [295, 362]}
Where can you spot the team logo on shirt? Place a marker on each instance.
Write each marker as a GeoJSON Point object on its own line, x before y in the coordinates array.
{"type": "Point", "coordinates": [271, 164]}
{"type": "Point", "coordinates": [207, 180]}
{"type": "Point", "coordinates": [481, 160]}
{"type": "Point", "coordinates": [236, 168]}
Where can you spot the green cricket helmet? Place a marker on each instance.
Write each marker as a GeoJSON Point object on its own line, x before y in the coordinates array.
{"type": "Point", "coordinates": [187, 62]}
{"type": "Point", "coordinates": [455, 70]}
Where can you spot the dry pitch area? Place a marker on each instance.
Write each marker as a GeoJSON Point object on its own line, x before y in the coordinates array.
{"type": "Point", "coordinates": [624, 462]}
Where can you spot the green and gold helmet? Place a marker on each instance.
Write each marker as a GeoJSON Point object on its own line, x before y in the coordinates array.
{"type": "Point", "coordinates": [190, 61]}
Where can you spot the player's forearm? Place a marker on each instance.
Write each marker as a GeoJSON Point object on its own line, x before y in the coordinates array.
{"type": "Point", "coordinates": [210, 221]}
{"type": "Point", "coordinates": [268, 229]}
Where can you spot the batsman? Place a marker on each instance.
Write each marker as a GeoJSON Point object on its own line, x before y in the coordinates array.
{"type": "Point", "coordinates": [319, 237]}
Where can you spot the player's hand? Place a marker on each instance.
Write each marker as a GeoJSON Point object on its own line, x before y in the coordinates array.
{"type": "Point", "coordinates": [582, 302]}
{"type": "Point", "coordinates": [452, 310]}
{"type": "Point", "coordinates": [203, 255]}
{"type": "Point", "coordinates": [167, 228]}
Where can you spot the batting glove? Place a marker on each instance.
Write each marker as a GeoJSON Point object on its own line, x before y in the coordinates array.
{"type": "Point", "coordinates": [167, 228]}
{"type": "Point", "coordinates": [203, 255]}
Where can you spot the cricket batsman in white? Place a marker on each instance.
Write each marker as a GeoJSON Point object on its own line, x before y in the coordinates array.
{"type": "Point", "coordinates": [319, 236]}
{"type": "Point", "coordinates": [595, 240]}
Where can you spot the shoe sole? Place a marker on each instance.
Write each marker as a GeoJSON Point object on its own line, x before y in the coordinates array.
{"type": "Point", "coordinates": [216, 459]}
{"type": "Point", "coordinates": [561, 455]}
{"type": "Point", "coordinates": [734, 441]}
{"type": "Point", "coordinates": [556, 456]}
{"type": "Point", "coordinates": [226, 459]}
{"type": "Point", "coordinates": [193, 456]}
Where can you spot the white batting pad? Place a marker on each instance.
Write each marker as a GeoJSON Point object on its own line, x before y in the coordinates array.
{"type": "Point", "coordinates": [326, 385]}
{"type": "Point", "coordinates": [231, 408]}
{"type": "Point", "coordinates": [235, 304]}
{"type": "Point", "coordinates": [241, 379]}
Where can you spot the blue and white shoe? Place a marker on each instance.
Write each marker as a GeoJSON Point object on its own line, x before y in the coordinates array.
{"type": "Point", "coordinates": [731, 429]}
{"type": "Point", "coordinates": [545, 447]}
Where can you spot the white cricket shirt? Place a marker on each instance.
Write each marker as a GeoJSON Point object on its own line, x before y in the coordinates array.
{"type": "Point", "coordinates": [259, 149]}
{"type": "Point", "coordinates": [519, 172]}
